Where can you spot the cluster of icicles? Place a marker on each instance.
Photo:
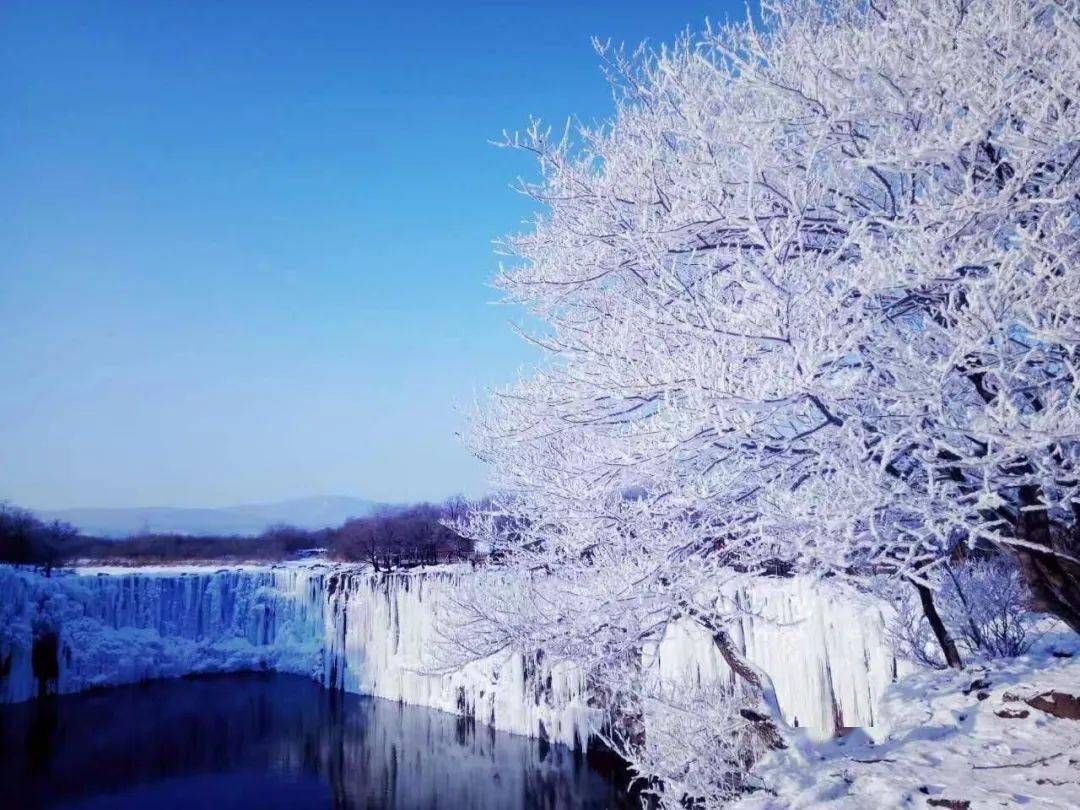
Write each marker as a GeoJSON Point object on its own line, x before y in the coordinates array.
{"type": "Point", "coordinates": [372, 633]}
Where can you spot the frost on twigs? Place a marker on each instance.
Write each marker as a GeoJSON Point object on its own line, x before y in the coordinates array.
{"type": "Point", "coordinates": [809, 303]}
{"type": "Point", "coordinates": [986, 606]}
{"type": "Point", "coordinates": [688, 742]}
{"type": "Point", "coordinates": [910, 634]}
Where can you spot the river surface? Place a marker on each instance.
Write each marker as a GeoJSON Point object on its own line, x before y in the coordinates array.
{"type": "Point", "coordinates": [277, 741]}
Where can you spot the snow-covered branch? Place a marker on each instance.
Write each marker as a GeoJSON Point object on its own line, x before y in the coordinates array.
{"type": "Point", "coordinates": [810, 303]}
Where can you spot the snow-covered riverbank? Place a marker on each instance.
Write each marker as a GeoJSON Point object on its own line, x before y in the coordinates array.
{"type": "Point", "coordinates": [1000, 734]}
{"type": "Point", "coordinates": [371, 633]}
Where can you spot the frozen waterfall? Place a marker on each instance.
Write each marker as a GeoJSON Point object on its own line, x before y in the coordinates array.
{"type": "Point", "coordinates": [365, 632]}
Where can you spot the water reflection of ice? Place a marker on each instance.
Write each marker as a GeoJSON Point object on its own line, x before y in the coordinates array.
{"type": "Point", "coordinates": [260, 740]}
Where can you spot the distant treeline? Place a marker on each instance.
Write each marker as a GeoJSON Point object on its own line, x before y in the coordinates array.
{"type": "Point", "coordinates": [26, 540]}
{"type": "Point", "coordinates": [390, 538]}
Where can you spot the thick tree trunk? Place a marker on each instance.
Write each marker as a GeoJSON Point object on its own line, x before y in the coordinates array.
{"type": "Point", "coordinates": [769, 723]}
{"type": "Point", "coordinates": [941, 632]}
{"type": "Point", "coordinates": [767, 718]}
{"type": "Point", "coordinates": [1054, 579]}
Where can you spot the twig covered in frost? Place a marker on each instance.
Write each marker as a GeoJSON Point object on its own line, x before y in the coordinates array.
{"type": "Point", "coordinates": [986, 601]}
{"type": "Point", "coordinates": [809, 303]}
{"type": "Point", "coordinates": [985, 604]}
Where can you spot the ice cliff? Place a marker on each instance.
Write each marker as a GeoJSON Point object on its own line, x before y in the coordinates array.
{"type": "Point", "coordinates": [372, 633]}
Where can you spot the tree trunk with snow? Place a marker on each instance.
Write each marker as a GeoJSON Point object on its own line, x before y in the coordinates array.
{"type": "Point", "coordinates": [808, 300]}
{"type": "Point", "coordinates": [767, 718]}
{"type": "Point", "coordinates": [941, 632]}
{"type": "Point", "coordinates": [1053, 575]}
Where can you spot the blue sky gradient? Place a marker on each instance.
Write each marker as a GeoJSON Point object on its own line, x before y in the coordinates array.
{"type": "Point", "coordinates": [246, 245]}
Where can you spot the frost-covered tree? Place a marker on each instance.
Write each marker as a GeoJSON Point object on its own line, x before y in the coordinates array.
{"type": "Point", "coordinates": [985, 604]}
{"type": "Point", "coordinates": [810, 302]}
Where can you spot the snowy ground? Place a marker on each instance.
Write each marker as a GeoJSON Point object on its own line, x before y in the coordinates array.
{"type": "Point", "coordinates": [975, 739]}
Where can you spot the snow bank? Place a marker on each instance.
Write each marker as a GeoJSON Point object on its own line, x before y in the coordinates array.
{"type": "Point", "coordinates": [350, 628]}
{"type": "Point", "coordinates": [970, 739]}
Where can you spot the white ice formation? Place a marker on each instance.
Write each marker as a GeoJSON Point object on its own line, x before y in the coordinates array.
{"type": "Point", "coordinates": [371, 633]}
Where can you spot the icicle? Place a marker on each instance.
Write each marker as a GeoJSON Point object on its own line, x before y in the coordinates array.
{"type": "Point", "coordinates": [373, 634]}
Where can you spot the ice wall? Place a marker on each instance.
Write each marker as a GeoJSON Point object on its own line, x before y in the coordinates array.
{"type": "Point", "coordinates": [372, 633]}
{"type": "Point", "coordinates": [382, 632]}
{"type": "Point", "coordinates": [124, 627]}
{"type": "Point", "coordinates": [348, 628]}
{"type": "Point", "coordinates": [823, 646]}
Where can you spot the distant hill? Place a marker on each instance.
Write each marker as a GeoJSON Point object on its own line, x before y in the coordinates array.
{"type": "Point", "coordinates": [252, 518]}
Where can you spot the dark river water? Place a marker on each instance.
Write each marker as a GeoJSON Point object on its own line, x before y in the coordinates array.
{"type": "Point", "coordinates": [276, 741]}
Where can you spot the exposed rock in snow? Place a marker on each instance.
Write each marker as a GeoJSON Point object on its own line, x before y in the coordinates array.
{"type": "Point", "coordinates": [373, 633]}
{"type": "Point", "coordinates": [967, 739]}
{"type": "Point", "coordinates": [1059, 704]}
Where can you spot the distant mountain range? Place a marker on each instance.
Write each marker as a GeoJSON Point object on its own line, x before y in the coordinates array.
{"type": "Point", "coordinates": [252, 518]}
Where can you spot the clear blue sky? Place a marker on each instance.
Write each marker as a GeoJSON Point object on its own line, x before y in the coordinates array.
{"type": "Point", "coordinates": [246, 245]}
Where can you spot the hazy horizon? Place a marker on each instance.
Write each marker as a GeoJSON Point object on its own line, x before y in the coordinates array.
{"type": "Point", "coordinates": [221, 504]}
{"type": "Point", "coordinates": [309, 513]}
